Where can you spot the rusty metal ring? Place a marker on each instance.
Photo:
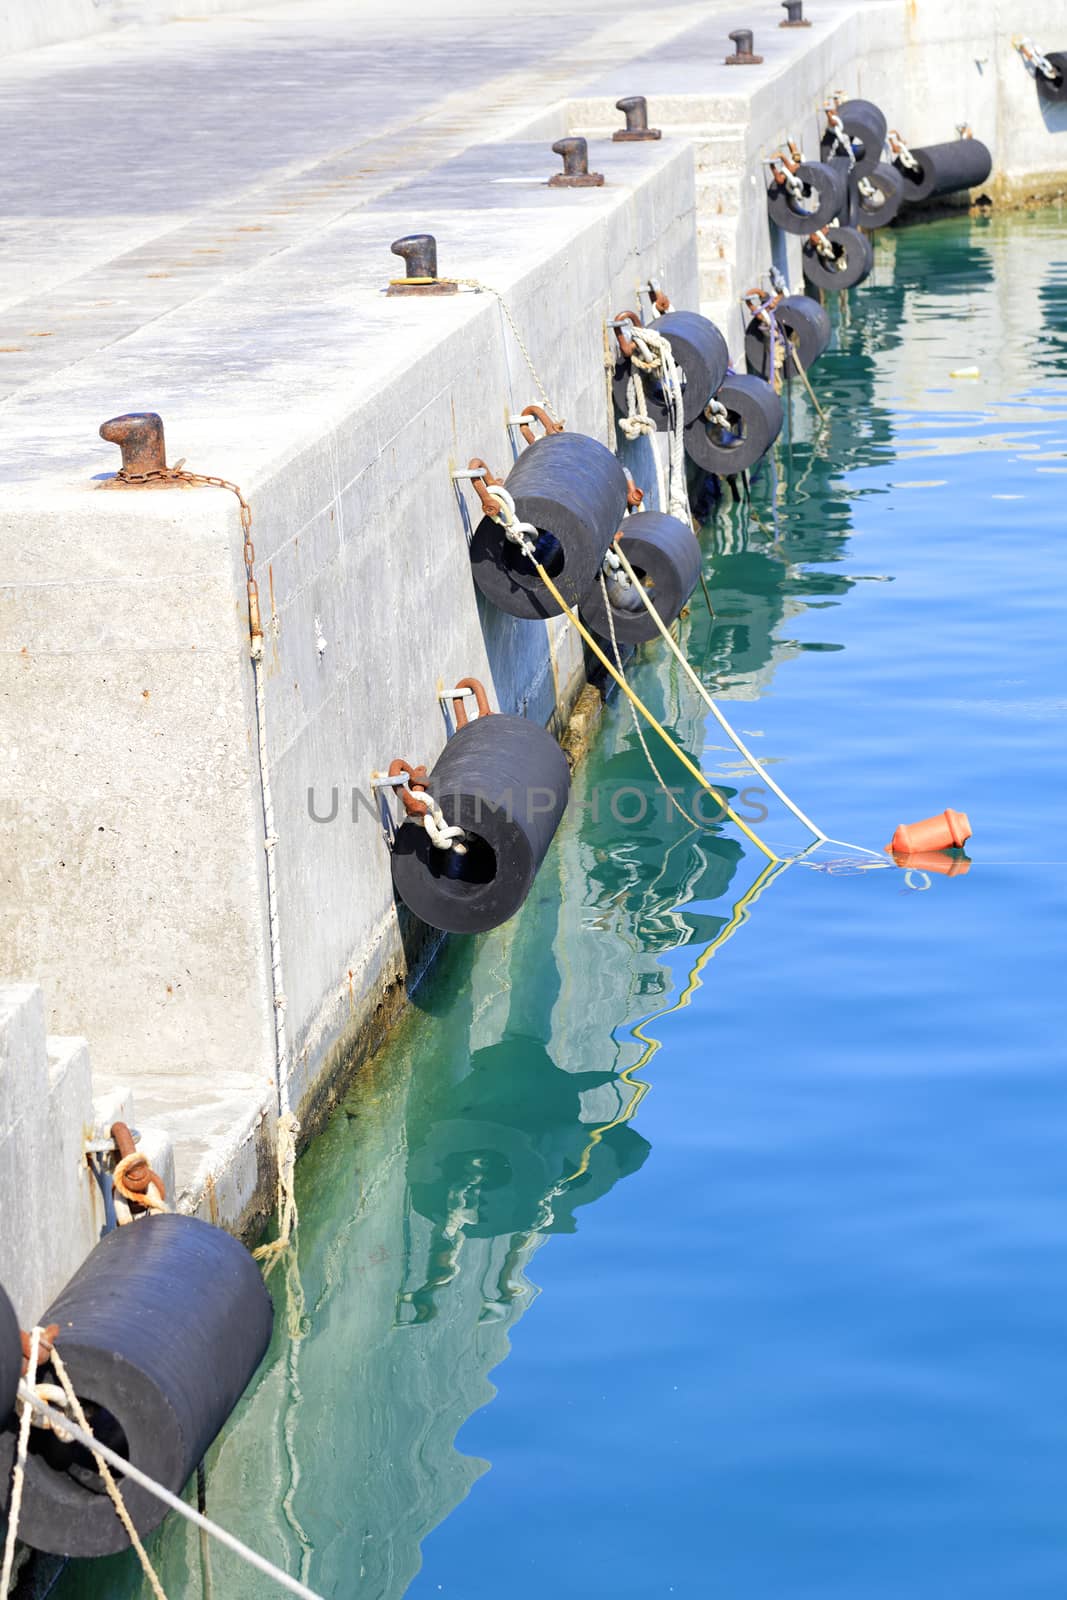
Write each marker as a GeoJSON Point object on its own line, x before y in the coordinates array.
{"type": "Point", "coordinates": [481, 700]}
{"type": "Point", "coordinates": [481, 484]}
{"type": "Point", "coordinates": [417, 775]}
{"type": "Point", "coordinates": [549, 424]}
{"type": "Point", "coordinates": [634, 495]}
{"type": "Point", "coordinates": [626, 345]}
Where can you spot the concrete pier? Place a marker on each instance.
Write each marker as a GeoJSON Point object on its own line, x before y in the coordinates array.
{"type": "Point", "coordinates": [199, 220]}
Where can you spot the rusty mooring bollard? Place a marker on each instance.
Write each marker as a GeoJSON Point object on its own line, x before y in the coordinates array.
{"type": "Point", "coordinates": [419, 254]}
{"type": "Point", "coordinates": [794, 14]}
{"type": "Point", "coordinates": [139, 435]}
{"type": "Point", "coordinates": [635, 109]}
{"type": "Point", "coordinates": [742, 56]}
{"type": "Point", "coordinates": [576, 173]}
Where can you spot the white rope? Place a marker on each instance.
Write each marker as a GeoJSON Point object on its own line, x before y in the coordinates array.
{"type": "Point", "coordinates": [85, 1438]}
{"type": "Point", "coordinates": [735, 739]}
{"type": "Point", "coordinates": [18, 1477]}
{"type": "Point", "coordinates": [288, 1126]}
{"type": "Point", "coordinates": [442, 835]}
{"type": "Point", "coordinates": [487, 288]}
{"type": "Point", "coordinates": [653, 353]}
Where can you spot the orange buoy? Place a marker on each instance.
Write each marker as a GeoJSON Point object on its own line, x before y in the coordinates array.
{"type": "Point", "coordinates": [939, 861]}
{"type": "Point", "coordinates": [947, 830]}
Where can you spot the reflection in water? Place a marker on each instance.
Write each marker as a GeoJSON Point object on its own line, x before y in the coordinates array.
{"type": "Point", "coordinates": [503, 1152]}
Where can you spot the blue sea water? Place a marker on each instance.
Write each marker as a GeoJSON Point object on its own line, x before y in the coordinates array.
{"type": "Point", "coordinates": [704, 1231]}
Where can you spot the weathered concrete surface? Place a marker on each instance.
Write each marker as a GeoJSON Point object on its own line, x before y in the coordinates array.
{"type": "Point", "coordinates": [124, 652]}
{"type": "Point", "coordinates": [51, 1213]}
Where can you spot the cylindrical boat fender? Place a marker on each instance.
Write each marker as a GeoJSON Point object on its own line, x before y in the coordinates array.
{"type": "Point", "coordinates": [853, 260]}
{"type": "Point", "coordinates": [160, 1329]}
{"type": "Point", "coordinates": [10, 1356]}
{"type": "Point", "coordinates": [805, 325]}
{"type": "Point", "coordinates": [666, 557]}
{"type": "Point", "coordinates": [878, 209]}
{"type": "Point", "coordinates": [504, 780]}
{"type": "Point", "coordinates": [945, 169]}
{"type": "Point", "coordinates": [825, 195]}
{"type": "Point", "coordinates": [960, 164]}
{"type": "Point", "coordinates": [573, 490]}
{"type": "Point", "coordinates": [700, 351]}
{"type": "Point", "coordinates": [753, 423]}
{"type": "Point", "coordinates": [865, 128]}
{"type": "Point", "coordinates": [1054, 90]}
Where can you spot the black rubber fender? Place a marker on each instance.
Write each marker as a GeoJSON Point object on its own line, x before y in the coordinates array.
{"type": "Point", "coordinates": [945, 169]}
{"type": "Point", "coordinates": [1053, 90]}
{"type": "Point", "coordinates": [960, 164]}
{"type": "Point", "coordinates": [161, 1329]}
{"type": "Point", "coordinates": [573, 490]}
{"type": "Point", "coordinates": [666, 557]}
{"type": "Point", "coordinates": [699, 349]}
{"type": "Point", "coordinates": [10, 1356]}
{"type": "Point", "coordinates": [826, 194]}
{"type": "Point", "coordinates": [505, 781]}
{"type": "Point", "coordinates": [876, 210]}
{"type": "Point", "coordinates": [805, 326]}
{"type": "Point", "coordinates": [754, 423]}
{"type": "Point", "coordinates": [853, 260]}
{"type": "Point", "coordinates": [865, 128]}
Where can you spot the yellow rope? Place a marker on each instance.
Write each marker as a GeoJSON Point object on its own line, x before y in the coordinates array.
{"type": "Point", "coordinates": [772, 870]}
{"type": "Point", "coordinates": [693, 770]}
{"type": "Point", "coordinates": [109, 1482]}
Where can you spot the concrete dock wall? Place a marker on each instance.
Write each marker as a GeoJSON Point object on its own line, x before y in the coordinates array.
{"type": "Point", "coordinates": [245, 303]}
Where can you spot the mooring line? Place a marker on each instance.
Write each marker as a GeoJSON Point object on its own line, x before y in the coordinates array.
{"type": "Point", "coordinates": [62, 1424]}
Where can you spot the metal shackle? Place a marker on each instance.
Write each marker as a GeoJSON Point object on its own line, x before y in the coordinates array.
{"type": "Point", "coordinates": [825, 189]}
{"type": "Point", "coordinates": [849, 263]}
{"type": "Point", "coordinates": [865, 129]}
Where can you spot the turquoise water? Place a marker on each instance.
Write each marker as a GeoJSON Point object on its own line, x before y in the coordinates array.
{"type": "Point", "coordinates": [703, 1231]}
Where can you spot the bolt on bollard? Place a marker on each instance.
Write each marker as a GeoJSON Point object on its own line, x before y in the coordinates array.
{"type": "Point", "coordinates": [419, 254]}
{"type": "Point", "coordinates": [634, 108]}
{"type": "Point", "coordinates": [743, 55]}
{"type": "Point", "coordinates": [576, 173]}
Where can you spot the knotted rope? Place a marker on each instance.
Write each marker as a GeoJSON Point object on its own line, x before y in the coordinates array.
{"type": "Point", "coordinates": [652, 355]}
